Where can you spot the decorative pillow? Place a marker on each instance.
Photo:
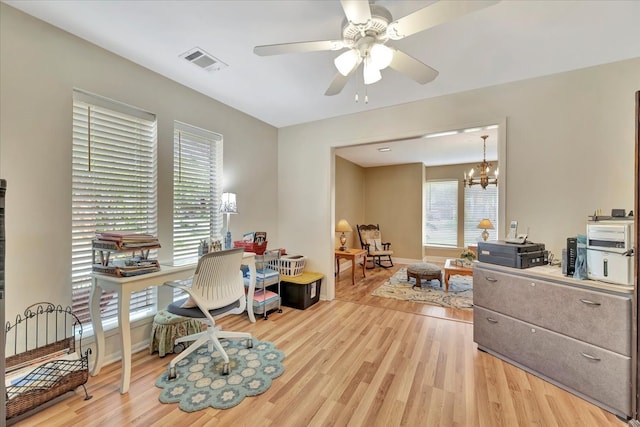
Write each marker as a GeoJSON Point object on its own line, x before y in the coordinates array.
{"type": "Point", "coordinates": [375, 244]}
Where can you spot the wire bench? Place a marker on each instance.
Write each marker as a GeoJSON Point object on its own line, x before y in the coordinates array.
{"type": "Point", "coordinates": [42, 361]}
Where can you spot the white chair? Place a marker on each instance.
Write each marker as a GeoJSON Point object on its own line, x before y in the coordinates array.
{"type": "Point", "coordinates": [215, 290]}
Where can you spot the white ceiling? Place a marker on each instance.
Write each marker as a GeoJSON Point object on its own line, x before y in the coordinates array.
{"type": "Point", "coordinates": [463, 147]}
{"type": "Point", "coordinates": [510, 41]}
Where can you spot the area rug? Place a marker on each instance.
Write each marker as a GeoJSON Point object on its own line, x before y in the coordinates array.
{"type": "Point", "coordinates": [460, 293]}
{"type": "Point", "coordinates": [200, 383]}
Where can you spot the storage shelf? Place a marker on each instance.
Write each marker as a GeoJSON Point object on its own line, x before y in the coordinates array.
{"type": "Point", "coordinates": [267, 278]}
{"type": "Point", "coordinates": [102, 262]}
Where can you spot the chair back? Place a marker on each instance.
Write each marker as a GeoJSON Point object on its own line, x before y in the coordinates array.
{"type": "Point", "coordinates": [217, 281]}
{"type": "Point", "coordinates": [368, 233]}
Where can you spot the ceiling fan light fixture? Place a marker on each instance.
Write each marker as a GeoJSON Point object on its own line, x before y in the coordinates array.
{"type": "Point", "coordinates": [347, 61]}
{"type": "Point", "coordinates": [381, 56]}
{"type": "Point", "coordinates": [371, 73]}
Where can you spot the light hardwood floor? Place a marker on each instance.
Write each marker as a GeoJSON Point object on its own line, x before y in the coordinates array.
{"type": "Point", "coordinates": [357, 361]}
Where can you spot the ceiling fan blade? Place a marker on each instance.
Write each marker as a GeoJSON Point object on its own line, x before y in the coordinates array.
{"type": "Point", "coordinates": [338, 83]}
{"type": "Point", "coordinates": [413, 68]}
{"type": "Point", "coordinates": [357, 11]}
{"type": "Point", "coordinates": [432, 15]}
{"type": "Point", "coordinates": [315, 46]}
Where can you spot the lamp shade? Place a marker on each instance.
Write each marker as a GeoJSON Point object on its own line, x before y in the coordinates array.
{"type": "Point", "coordinates": [347, 61]}
{"type": "Point", "coordinates": [343, 226]}
{"type": "Point", "coordinates": [486, 224]}
{"type": "Point", "coordinates": [228, 203]}
{"type": "Point", "coordinates": [381, 56]}
{"type": "Point", "coordinates": [371, 73]}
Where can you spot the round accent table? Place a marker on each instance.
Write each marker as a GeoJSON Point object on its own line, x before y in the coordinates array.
{"type": "Point", "coordinates": [424, 271]}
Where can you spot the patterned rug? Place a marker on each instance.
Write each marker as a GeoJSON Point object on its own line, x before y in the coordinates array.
{"type": "Point", "coordinates": [460, 293]}
{"type": "Point", "coordinates": [200, 383]}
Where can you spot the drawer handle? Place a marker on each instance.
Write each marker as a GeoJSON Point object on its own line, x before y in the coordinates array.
{"type": "Point", "coordinates": [491, 279]}
{"type": "Point", "coordinates": [589, 302]}
{"type": "Point", "coordinates": [590, 357]}
{"type": "Point", "coordinates": [491, 320]}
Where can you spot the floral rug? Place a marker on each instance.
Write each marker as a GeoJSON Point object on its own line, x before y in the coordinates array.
{"type": "Point", "coordinates": [200, 383]}
{"type": "Point", "coordinates": [460, 293]}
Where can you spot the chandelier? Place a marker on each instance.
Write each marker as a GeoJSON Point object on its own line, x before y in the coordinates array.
{"type": "Point", "coordinates": [484, 169]}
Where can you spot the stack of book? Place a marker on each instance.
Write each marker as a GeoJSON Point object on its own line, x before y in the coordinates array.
{"type": "Point", "coordinates": [123, 240]}
{"type": "Point", "coordinates": [264, 297]}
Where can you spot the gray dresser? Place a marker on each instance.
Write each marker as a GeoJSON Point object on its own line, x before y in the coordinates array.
{"type": "Point", "coordinates": [575, 334]}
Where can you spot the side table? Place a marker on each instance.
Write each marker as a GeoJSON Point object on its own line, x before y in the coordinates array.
{"type": "Point", "coordinates": [352, 254]}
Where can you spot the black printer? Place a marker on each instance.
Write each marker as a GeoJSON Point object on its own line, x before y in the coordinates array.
{"type": "Point", "coordinates": [524, 255]}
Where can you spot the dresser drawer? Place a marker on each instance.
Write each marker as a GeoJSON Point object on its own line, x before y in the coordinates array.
{"type": "Point", "coordinates": [600, 374]}
{"type": "Point", "coordinates": [596, 317]}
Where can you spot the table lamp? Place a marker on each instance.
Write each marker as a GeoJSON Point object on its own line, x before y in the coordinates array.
{"type": "Point", "coordinates": [486, 225]}
{"type": "Point", "coordinates": [228, 205]}
{"type": "Point", "coordinates": [343, 227]}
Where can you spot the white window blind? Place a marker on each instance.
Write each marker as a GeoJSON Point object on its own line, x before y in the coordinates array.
{"type": "Point", "coordinates": [197, 189]}
{"type": "Point", "coordinates": [480, 203]}
{"type": "Point", "coordinates": [441, 213]}
{"type": "Point", "coordinates": [114, 187]}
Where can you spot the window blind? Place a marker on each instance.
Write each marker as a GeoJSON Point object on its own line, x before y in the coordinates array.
{"type": "Point", "coordinates": [197, 189]}
{"type": "Point", "coordinates": [441, 213]}
{"type": "Point", "coordinates": [114, 187]}
{"type": "Point", "coordinates": [480, 203]}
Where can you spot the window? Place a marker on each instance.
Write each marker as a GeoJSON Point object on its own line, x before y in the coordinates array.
{"type": "Point", "coordinates": [480, 203]}
{"type": "Point", "coordinates": [114, 185]}
{"type": "Point", "coordinates": [441, 213]}
{"type": "Point", "coordinates": [197, 189]}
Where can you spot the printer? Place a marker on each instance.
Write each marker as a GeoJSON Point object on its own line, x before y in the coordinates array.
{"type": "Point", "coordinates": [610, 251]}
{"type": "Point", "coordinates": [514, 255]}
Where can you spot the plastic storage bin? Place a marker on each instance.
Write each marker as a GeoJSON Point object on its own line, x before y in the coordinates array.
{"type": "Point", "coordinates": [301, 291]}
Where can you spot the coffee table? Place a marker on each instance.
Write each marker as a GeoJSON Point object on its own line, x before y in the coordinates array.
{"type": "Point", "coordinates": [450, 267]}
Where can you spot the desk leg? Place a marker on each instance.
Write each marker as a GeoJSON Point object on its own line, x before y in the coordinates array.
{"type": "Point", "coordinates": [96, 322]}
{"type": "Point", "coordinates": [337, 266]}
{"type": "Point", "coordinates": [252, 288]}
{"type": "Point", "coordinates": [124, 327]}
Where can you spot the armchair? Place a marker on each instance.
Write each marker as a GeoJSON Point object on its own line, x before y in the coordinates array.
{"type": "Point", "coordinates": [378, 252]}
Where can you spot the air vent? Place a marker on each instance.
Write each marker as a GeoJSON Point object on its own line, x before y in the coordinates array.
{"type": "Point", "coordinates": [203, 60]}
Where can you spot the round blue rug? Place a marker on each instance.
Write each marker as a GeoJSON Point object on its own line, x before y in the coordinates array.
{"type": "Point", "coordinates": [200, 383]}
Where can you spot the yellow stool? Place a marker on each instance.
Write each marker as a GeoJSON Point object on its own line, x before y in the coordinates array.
{"type": "Point", "coordinates": [167, 327]}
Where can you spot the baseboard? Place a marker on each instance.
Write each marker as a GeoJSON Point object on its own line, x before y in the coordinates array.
{"type": "Point", "coordinates": [346, 265]}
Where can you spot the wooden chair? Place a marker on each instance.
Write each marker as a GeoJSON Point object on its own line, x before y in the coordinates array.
{"type": "Point", "coordinates": [378, 252]}
{"type": "Point", "coordinates": [216, 289]}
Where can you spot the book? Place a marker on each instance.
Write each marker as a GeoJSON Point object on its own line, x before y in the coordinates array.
{"type": "Point", "coordinates": [263, 295]}
{"type": "Point", "coordinates": [262, 273]}
{"type": "Point", "coordinates": [260, 237]}
{"type": "Point", "coordinates": [125, 236]}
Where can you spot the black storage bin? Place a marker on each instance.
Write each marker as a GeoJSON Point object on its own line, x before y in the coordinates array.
{"type": "Point", "coordinates": [301, 291]}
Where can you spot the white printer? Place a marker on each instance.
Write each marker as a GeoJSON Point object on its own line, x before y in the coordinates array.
{"type": "Point", "coordinates": [610, 251]}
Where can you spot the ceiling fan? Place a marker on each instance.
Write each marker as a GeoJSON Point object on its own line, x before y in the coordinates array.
{"type": "Point", "coordinates": [366, 30]}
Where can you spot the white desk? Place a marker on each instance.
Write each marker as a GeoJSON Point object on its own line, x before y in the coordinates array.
{"type": "Point", "coordinates": [124, 286]}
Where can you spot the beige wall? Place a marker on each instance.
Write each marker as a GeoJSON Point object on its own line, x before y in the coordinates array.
{"type": "Point", "coordinates": [350, 198]}
{"type": "Point", "coordinates": [394, 201]}
{"type": "Point", "coordinates": [39, 68]}
{"type": "Point", "coordinates": [390, 196]}
{"type": "Point", "coordinates": [569, 147]}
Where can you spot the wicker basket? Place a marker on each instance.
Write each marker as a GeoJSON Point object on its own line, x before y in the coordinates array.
{"type": "Point", "coordinates": [289, 265]}
{"type": "Point", "coordinates": [257, 248]}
